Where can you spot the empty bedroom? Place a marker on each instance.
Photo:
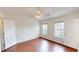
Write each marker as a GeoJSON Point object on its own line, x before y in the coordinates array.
{"type": "Point", "coordinates": [39, 29]}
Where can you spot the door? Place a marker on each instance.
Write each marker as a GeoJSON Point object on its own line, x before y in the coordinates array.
{"type": "Point", "coordinates": [2, 42]}
{"type": "Point", "coordinates": [9, 33]}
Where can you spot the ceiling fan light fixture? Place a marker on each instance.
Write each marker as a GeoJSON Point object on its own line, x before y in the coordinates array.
{"type": "Point", "coordinates": [39, 14]}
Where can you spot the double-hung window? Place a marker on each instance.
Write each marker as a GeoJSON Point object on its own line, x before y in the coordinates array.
{"type": "Point", "coordinates": [59, 29]}
{"type": "Point", "coordinates": [44, 29]}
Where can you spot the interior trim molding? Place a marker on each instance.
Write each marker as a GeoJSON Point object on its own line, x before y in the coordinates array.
{"type": "Point", "coordinates": [59, 43]}
{"type": "Point", "coordinates": [15, 44]}
{"type": "Point", "coordinates": [45, 39]}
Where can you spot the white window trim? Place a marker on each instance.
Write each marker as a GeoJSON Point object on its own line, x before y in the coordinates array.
{"type": "Point", "coordinates": [46, 29]}
{"type": "Point", "coordinates": [55, 30]}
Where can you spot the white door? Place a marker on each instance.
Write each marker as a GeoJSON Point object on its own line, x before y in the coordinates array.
{"type": "Point", "coordinates": [9, 33]}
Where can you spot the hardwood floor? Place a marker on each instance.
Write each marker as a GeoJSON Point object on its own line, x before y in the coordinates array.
{"type": "Point", "coordinates": [39, 45]}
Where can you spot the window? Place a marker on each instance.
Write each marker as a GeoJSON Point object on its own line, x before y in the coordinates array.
{"type": "Point", "coordinates": [59, 29]}
{"type": "Point", "coordinates": [44, 29]}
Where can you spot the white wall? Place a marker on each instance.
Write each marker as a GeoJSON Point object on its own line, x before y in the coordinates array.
{"type": "Point", "coordinates": [71, 29]}
{"type": "Point", "coordinates": [27, 28]}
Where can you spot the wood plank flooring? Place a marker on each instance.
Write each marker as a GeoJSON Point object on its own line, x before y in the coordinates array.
{"type": "Point", "coordinates": [39, 45]}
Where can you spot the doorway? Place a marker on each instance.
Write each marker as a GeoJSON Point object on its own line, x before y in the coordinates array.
{"type": "Point", "coordinates": [7, 33]}
{"type": "Point", "coordinates": [2, 42]}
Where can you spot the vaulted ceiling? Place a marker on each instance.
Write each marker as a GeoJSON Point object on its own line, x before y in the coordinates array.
{"type": "Point", "coordinates": [48, 12]}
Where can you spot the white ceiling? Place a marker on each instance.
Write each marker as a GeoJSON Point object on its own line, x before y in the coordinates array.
{"type": "Point", "coordinates": [31, 11]}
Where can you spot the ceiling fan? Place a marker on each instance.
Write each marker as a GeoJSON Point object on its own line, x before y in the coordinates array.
{"type": "Point", "coordinates": [39, 14]}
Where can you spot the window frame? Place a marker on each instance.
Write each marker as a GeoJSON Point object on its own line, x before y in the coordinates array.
{"type": "Point", "coordinates": [59, 36]}
{"type": "Point", "coordinates": [46, 29]}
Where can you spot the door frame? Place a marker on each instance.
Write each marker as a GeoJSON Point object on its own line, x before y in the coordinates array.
{"type": "Point", "coordinates": [2, 35]}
